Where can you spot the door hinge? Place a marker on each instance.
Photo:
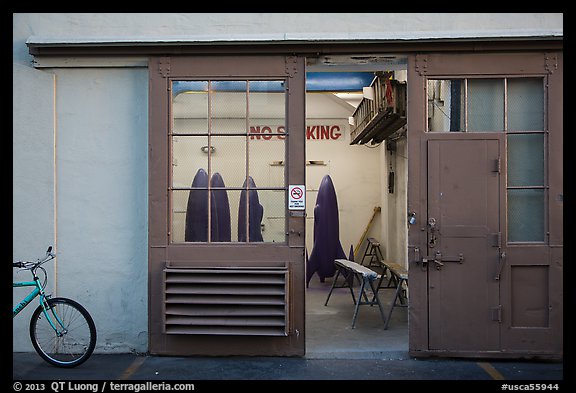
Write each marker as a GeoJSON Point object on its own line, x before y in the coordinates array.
{"type": "Point", "coordinates": [497, 240]}
{"type": "Point", "coordinates": [497, 313]}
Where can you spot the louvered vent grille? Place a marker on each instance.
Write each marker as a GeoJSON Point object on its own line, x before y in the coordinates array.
{"type": "Point", "coordinates": [240, 301]}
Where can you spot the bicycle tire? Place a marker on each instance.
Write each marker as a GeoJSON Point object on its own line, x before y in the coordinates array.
{"type": "Point", "coordinates": [72, 348]}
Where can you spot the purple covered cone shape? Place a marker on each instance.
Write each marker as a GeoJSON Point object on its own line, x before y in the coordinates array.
{"type": "Point", "coordinates": [327, 245]}
{"type": "Point", "coordinates": [222, 207]}
{"type": "Point", "coordinates": [255, 211]}
{"type": "Point", "coordinates": [197, 210]}
{"type": "Point", "coordinates": [196, 229]}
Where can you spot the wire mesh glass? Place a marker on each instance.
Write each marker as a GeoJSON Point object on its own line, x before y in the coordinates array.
{"type": "Point", "coordinates": [189, 107]}
{"type": "Point", "coordinates": [228, 107]}
{"type": "Point", "coordinates": [525, 159]}
{"type": "Point", "coordinates": [228, 157]}
{"type": "Point", "coordinates": [273, 223]}
{"type": "Point", "coordinates": [525, 104]}
{"type": "Point", "coordinates": [526, 215]}
{"type": "Point", "coordinates": [228, 142]}
{"type": "Point", "coordinates": [189, 154]}
{"type": "Point", "coordinates": [485, 105]}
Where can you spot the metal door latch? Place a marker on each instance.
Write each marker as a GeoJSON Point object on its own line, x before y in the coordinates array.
{"type": "Point", "coordinates": [438, 259]}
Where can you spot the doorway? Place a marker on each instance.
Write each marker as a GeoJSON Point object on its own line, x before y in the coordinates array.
{"type": "Point", "coordinates": [367, 202]}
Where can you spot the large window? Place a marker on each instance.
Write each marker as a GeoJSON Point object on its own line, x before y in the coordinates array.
{"type": "Point", "coordinates": [511, 105]}
{"type": "Point", "coordinates": [228, 147]}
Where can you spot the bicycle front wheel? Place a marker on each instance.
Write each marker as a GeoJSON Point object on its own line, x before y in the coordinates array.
{"type": "Point", "coordinates": [75, 338]}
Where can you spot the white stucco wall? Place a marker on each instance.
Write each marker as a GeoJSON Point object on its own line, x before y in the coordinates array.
{"type": "Point", "coordinates": [80, 183]}
{"type": "Point", "coordinates": [102, 187]}
{"type": "Point", "coordinates": [99, 177]}
{"type": "Point", "coordinates": [33, 210]}
{"type": "Point", "coordinates": [394, 215]}
{"type": "Point", "coordinates": [80, 141]}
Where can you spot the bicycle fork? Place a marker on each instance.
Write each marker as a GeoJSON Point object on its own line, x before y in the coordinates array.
{"type": "Point", "coordinates": [45, 307]}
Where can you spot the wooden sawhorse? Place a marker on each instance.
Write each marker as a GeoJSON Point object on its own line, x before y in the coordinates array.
{"type": "Point", "coordinates": [398, 279]}
{"type": "Point", "coordinates": [373, 251]}
{"type": "Point", "coordinates": [366, 277]}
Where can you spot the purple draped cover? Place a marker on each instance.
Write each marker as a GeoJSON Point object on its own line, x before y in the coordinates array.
{"type": "Point", "coordinates": [327, 245]}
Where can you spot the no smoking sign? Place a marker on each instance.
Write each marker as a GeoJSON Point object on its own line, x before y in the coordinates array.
{"type": "Point", "coordinates": [296, 197]}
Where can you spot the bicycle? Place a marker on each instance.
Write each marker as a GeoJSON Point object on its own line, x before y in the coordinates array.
{"type": "Point", "coordinates": [62, 331]}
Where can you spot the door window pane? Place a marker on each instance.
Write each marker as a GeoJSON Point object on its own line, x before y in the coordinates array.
{"type": "Point", "coordinates": [525, 159]}
{"type": "Point", "coordinates": [273, 227]}
{"type": "Point", "coordinates": [446, 105]}
{"type": "Point", "coordinates": [525, 215]}
{"type": "Point", "coordinates": [228, 107]}
{"type": "Point", "coordinates": [525, 104]}
{"type": "Point", "coordinates": [189, 107]}
{"type": "Point", "coordinates": [485, 105]}
{"type": "Point", "coordinates": [228, 159]}
{"type": "Point", "coordinates": [188, 155]}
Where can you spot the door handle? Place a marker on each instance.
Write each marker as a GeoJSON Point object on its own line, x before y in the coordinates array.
{"type": "Point", "coordinates": [438, 263]}
{"type": "Point", "coordinates": [432, 232]}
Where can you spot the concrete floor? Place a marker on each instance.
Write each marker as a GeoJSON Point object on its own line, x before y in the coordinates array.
{"type": "Point", "coordinates": [329, 333]}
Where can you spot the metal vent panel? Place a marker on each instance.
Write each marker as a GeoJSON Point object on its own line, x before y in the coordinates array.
{"type": "Point", "coordinates": [242, 301]}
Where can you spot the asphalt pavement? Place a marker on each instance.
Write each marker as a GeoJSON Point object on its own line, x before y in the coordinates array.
{"type": "Point", "coordinates": [118, 368]}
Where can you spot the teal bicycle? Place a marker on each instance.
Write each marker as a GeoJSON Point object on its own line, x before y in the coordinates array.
{"type": "Point", "coordinates": [62, 331]}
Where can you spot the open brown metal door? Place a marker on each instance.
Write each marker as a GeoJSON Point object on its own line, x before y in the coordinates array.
{"type": "Point", "coordinates": [484, 141]}
{"type": "Point", "coordinates": [226, 249]}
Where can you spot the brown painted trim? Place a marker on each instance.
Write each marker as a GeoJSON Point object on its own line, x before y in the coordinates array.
{"type": "Point", "coordinates": [416, 111]}
{"type": "Point", "coordinates": [550, 356]}
{"type": "Point", "coordinates": [555, 149]}
{"type": "Point", "coordinates": [287, 48]}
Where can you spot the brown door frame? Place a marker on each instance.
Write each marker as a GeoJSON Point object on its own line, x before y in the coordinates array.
{"type": "Point", "coordinates": [548, 65]}
{"type": "Point", "coordinates": [164, 254]}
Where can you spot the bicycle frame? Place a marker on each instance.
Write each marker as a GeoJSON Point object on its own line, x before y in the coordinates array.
{"type": "Point", "coordinates": [38, 290]}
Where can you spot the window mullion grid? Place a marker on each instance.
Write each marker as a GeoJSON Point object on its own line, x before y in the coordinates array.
{"type": "Point", "coordinates": [545, 185]}
{"type": "Point", "coordinates": [505, 105]}
{"type": "Point", "coordinates": [209, 229]}
{"type": "Point", "coordinates": [465, 104]}
{"type": "Point", "coordinates": [546, 126]}
{"type": "Point", "coordinates": [247, 162]}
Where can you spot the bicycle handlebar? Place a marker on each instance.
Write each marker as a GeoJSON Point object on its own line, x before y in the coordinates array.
{"type": "Point", "coordinates": [32, 265]}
